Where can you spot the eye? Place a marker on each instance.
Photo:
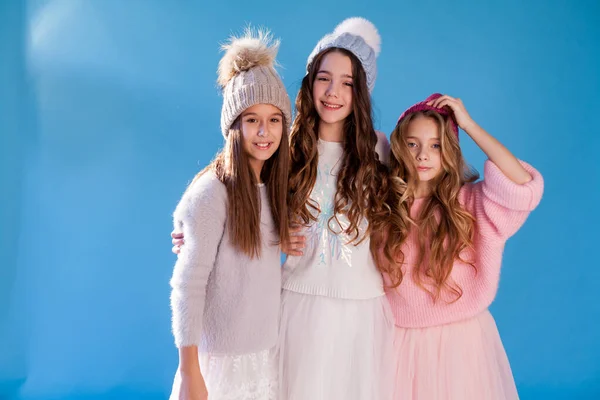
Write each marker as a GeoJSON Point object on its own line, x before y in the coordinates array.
{"type": "Point", "coordinates": [275, 120]}
{"type": "Point", "coordinates": [411, 145]}
{"type": "Point", "coordinates": [436, 146]}
{"type": "Point", "coordinates": [322, 78]}
{"type": "Point", "coordinates": [350, 84]}
{"type": "Point", "coordinates": [251, 120]}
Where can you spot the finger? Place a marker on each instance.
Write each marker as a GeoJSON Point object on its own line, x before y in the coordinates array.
{"type": "Point", "coordinates": [432, 103]}
{"type": "Point", "coordinates": [445, 99]}
{"type": "Point", "coordinates": [448, 103]}
{"type": "Point", "coordinates": [296, 246]}
{"type": "Point", "coordinates": [440, 100]}
{"type": "Point", "coordinates": [442, 103]}
{"type": "Point", "coordinates": [295, 243]}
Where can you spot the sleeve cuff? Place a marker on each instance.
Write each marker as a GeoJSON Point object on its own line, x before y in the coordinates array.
{"type": "Point", "coordinates": [500, 189]}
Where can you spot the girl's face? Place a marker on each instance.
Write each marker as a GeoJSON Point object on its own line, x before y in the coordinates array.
{"type": "Point", "coordinates": [332, 88]}
{"type": "Point", "coordinates": [423, 141]}
{"type": "Point", "coordinates": [262, 128]}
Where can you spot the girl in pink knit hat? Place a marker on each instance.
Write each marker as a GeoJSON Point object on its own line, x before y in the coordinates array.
{"type": "Point", "coordinates": [444, 250]}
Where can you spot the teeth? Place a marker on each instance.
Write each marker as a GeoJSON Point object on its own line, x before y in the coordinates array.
{"type": "Point", "coordinates": [262, 145]}
{"type": "Point", "coordinates": [332, 105]}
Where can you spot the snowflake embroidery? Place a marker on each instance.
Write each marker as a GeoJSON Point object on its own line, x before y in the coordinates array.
{"type": "Point", "coordinates": [327, 234]}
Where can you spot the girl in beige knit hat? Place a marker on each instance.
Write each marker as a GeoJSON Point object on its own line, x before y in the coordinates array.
{"type": "Point", "coordinates": [227, 279]}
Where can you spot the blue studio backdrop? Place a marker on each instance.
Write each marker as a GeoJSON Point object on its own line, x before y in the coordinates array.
{"type": "Point", "coordinates": [108, 108]}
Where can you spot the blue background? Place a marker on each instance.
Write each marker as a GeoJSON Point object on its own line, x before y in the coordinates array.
{"type": "Point", "coordinates": [108, 108]}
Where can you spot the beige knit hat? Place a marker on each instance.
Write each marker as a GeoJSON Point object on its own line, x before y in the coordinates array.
{"type": "Point", "coordinates": [247, 76]}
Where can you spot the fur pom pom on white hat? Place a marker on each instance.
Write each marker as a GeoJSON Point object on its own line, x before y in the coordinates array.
{"type": "Point", "coordinates": [361, 27]}
{"type": "Point", "coordinates": [360, 37]}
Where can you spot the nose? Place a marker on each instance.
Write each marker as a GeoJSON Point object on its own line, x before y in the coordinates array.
{"type": "Point", "coordinates": [422, 155]}
{"type": "Point", "coordinates": [262, 129]}
{"type": "Point", "coordinates": [331, 90]}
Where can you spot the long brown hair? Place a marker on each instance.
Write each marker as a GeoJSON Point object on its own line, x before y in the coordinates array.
{"type": "Point", "coordinates": [231, 166]}
{"type": "Point", "coordinates": [445, 229]}
{"type": "Point", "coordinates": [362, 180]}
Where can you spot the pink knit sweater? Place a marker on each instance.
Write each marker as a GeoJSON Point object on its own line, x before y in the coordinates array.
{"type": "Point", "coordinates": [500, 208]}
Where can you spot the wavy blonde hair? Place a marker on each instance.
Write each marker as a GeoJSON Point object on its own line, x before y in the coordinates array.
{"type": "Point", "coordinates": [445, 229]}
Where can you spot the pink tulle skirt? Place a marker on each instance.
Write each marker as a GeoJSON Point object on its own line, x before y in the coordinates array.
{"type": "Point", "coordinates": [460, 361]}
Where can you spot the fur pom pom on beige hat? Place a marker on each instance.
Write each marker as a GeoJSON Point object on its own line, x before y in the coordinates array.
{"type": "Point", "coordinates": [247, 76]}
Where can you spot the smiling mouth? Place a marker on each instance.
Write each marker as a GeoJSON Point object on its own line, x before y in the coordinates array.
{"type": "Point", "coordinates": [330, 106]}
{"type": "Point", "coordinates": [263, 146]}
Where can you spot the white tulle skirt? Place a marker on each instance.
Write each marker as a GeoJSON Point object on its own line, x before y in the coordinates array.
{"type": "Point", "coordinates": [335, 349]}
{"type": "Point", "coordinates": [237, 377]}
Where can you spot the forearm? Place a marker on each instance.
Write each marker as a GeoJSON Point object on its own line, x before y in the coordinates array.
{"type": "Point", "coordinates": [498, 154]}
{"type": "Point", "coordinates": [191, 385]}
{"type": "Point", "coordinates": [188, 360]}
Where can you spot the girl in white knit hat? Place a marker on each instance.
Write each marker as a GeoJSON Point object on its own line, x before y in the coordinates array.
{"type": "Point", "coordinates": [336, 324]}
{"type": "Point", "coordinates": [227, 279]}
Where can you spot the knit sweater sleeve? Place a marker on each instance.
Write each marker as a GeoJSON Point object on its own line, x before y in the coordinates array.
{"type": "Point", "coordinates": [201, 216]}
{"type": "Point", "coordinates": [499, 205]}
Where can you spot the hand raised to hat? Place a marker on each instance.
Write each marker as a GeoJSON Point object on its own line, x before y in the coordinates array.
{"type": "Point", "coordinates": [463, 119]}
{"type": "Point", "coordinates": [496, 152]}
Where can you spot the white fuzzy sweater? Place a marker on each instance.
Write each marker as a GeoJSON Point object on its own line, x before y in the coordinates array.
{"type": "Point", "coordinates": [223, 301]}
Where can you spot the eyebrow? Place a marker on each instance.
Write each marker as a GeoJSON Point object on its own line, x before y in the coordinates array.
{"type": "Point", "coordinates": [256, 115]}
{"type": "Point", "coordinates": [329, 73]}
{"type": "Point", "coordinates": [414, 137]}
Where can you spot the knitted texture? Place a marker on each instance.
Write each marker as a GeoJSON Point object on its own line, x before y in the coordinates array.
{"type": "Point", "coordinates": [423, 106]}
{"type": "Point", "coordinates": [500, 208]}
{"type": "Point", "coordinates": [360, 37]}
{"type": "Point", "coordinates": [331, 266]}
{"type": "Point", "coordinates": [247, 76]}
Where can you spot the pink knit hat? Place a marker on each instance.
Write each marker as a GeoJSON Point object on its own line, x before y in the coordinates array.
{"type": "Point", "coordinates": [422, 106]}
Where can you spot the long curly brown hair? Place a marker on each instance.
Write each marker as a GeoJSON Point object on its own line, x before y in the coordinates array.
{"type": "Point", "coordinates": [231, 166]}
{"type": "Point", "coordinates": [362, 180]}
{"type": "Point", "coordinates": [445, 229]}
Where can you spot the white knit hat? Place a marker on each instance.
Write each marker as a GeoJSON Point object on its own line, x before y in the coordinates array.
{"type": "Point", "coordinates": [247, 76]}
{"type": "Point", "coordinates": [360, 37]}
